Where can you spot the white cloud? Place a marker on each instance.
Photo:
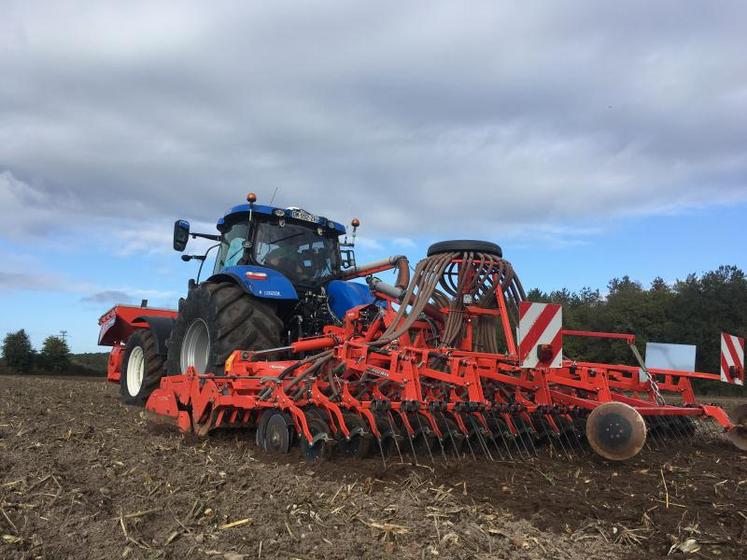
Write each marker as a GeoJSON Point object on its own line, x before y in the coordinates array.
{"type": "Point", "coordinates": [423, 119]}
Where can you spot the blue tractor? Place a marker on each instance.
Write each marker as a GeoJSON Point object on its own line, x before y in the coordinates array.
{"type": "Point", "coordinates": [280, 274]}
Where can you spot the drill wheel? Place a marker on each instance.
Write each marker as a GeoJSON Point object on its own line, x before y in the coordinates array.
{"type": "Point", "coordinates": [616, 431]}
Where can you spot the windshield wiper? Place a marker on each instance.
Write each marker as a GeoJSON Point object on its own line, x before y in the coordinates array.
{"type": "Point", "coordinates": [286, 238]}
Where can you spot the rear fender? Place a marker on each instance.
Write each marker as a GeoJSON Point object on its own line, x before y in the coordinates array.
{"type": "Point", "coordinates": [258, 281]}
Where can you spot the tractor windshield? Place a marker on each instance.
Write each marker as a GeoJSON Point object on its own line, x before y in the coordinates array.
{"type": "Point", "coordinates": [299, 252]}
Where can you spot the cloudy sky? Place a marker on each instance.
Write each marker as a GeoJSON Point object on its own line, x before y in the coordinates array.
{"type": "Point", "coordinates": [590, 139]}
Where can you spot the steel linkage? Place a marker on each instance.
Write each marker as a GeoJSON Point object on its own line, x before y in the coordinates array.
{"type": "Point", "coordinates": [434, 370]}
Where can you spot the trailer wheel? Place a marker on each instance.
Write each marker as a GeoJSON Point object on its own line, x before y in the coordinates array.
{"type": "Point", "coordinates": [142, 368]}
{"type": "Point", "coordinates": [216, 319]}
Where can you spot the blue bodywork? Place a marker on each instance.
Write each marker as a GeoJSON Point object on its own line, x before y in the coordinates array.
{"type": "Point", "coordinates": [346, 295]}
{"type": "Point", "coordinates": [237, 211]}
{"type": "Point", "coordinates": [342, 295]}
{"type": "Point", "coordinates": [275, 286]}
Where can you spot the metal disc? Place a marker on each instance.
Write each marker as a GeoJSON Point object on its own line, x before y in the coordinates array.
{"type": "Point", "coordinates": [262, 426]}
{"type": "Point", "coordinates": [738, 434]}
{"type": "Point", "coordinates": [277, 434]}
{"type": "Point", "coordinates": [359, 444]}
{"type": "Point", "coordinates": [616, 431]}
{"type": "Point", "coordinates": [319, 448]}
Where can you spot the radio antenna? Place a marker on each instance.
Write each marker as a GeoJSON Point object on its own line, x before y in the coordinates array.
{"type": "Point", "coordinates": [273, 196]}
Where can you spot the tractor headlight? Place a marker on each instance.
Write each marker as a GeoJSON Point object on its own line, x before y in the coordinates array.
{"type": "Point", "coordinates": [279, 212]}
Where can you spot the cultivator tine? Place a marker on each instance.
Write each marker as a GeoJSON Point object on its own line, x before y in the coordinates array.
{"type": "Point", "coordinates": [381, 450]}
{"type": "Point", "coordinates": [498, 423]}
{"type": "Point", "coordinates": [657, 435]}
{"type": "Point", "coordinates": [676, 429]}
{"type": "Point", "coordinates": [495, 427]}
{"type": "Point", "coordinates": [518, 438]}
{"type": "Point", "coordinates": [469, 444]}
{"type": "Point", "coordinates": [451, 437]}
{"type": "Point", "coordinates": [395, 436]}
{"type": "Point", "coordinates": [443, 449]}
{"type": "Point", "coordinates": [529, 430]}
{"type": "Point", "coordinates": [412, 449]}
{"type": "Point", "coordinates": [568, 450]}
{"type": "Point", "coordinates": [424, 437]}
{"type": "Point", "coordinates": [478, 432]}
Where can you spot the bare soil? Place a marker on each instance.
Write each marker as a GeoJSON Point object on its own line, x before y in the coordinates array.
{"type": "Point", "coordinates": [82, 476]}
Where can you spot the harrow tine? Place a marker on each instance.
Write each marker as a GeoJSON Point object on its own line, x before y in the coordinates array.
{"type": "Point", "coordinates": [529, 430]}
{"type": "Point", "coordinates": [443, 449]}
{"type": "Point", "coordinates": [469, 444]}
{"type": "Point", "coordinates": [577, 439]}
{"type": "Point", "coordinates": [480, 437]}
{"type": "Point", "coordinates": [658, 436]}
{"type": "Point", "coordinates": [412, 448]}
{"type": "Point", "coordinates": [506, 444]}
{"type": "Point", "coordinates": [381, 450]}
{"type": "Point", "coordinates": [518, 439]}
{"type": "Point", "coordinates": [395, 436]}
{"type": "Point", "coordinates": [451, 436]}
{"type": "Point", "coordinates": [551, 438]}
{"type": "Point", "coordinates": [502, 436]}
{"type": "Point", "coordinates": [425, 441]}
{"type": "Point", "coordinates": [558, 437]}
{"type": "Point", "coordinates": [493, 437]}
{"type": "Point", "coordinates": [674, 426]}
{"type": "Point", "coordinates": [568, 450]}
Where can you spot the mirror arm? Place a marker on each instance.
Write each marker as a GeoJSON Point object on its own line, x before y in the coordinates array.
{"type": "Point", "coordinates": [209, 236]}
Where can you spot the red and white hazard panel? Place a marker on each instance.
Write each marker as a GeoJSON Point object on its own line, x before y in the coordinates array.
{"type": "Point", "coordinates": [732, 359]}
{"type": "Point", "coordinates": [540, 335]}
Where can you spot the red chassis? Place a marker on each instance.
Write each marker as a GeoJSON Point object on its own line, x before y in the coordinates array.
{"type": "Point", "coordinates": [426, 388]}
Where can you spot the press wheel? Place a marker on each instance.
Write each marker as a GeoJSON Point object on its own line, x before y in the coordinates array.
{"type": "Point", "coordinates": [616, 431]}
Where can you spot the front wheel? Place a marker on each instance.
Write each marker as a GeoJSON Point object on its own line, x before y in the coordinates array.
{"type": "Point", "coordinates": [142, 368]}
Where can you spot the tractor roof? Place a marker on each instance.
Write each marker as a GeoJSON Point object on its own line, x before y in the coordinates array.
{"type": "Point", "coordinates": [288, 213]}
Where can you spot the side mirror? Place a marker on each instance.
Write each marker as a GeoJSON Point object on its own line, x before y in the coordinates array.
{"type": "Point", "coordinates": [181, 235]}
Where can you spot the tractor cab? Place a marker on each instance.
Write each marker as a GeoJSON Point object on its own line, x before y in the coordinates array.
{"type": "Point", "coordinates": [303, 247]}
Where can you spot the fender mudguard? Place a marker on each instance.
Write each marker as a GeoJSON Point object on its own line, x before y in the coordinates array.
{"type": "Point", "coordinates": [258, 281]}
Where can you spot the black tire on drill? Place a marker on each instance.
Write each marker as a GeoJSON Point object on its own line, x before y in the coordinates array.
{"type": "Point", "coordinates": [153, 369]}
{"type": "Point", "coordinates": [234, 320]}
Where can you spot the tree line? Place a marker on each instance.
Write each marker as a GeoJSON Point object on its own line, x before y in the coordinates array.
{"type": "Point", "coordinates": [694, 311]}
{"type": "Point", "coordinates": [19, 355]}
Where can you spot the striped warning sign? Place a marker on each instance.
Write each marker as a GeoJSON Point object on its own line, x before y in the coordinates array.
{"type": "Point", "coordinates": [540, 334]}
{"type": "Point", "coordinates": [732, 359]}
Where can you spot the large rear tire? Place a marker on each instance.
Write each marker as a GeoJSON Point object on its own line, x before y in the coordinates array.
{"type": "Point", "coordinates": [215, 320]}
{"type": "Point", "coordinates": [142, 368]}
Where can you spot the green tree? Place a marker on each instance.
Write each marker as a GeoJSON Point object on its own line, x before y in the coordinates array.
{"type": "Point", "coordinates": [55, 354]}
{"type": "Point", "coordinates": [18, 354]}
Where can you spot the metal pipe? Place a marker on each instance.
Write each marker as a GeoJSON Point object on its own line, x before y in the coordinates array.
{"type": "Point", "coordinates": [399, 262]}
